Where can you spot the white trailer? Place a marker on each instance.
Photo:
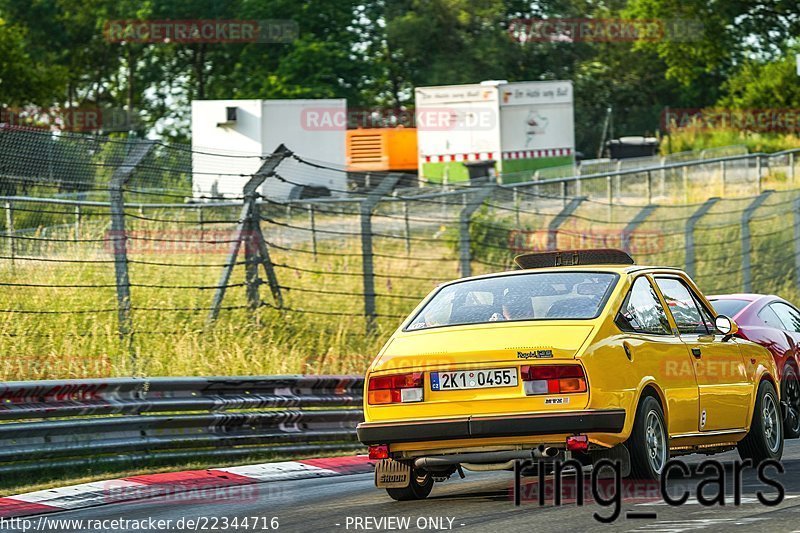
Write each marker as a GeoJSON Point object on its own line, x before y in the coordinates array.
{"type": "Point", "coordinates": [251, 129]}
{"type": "Point", "coordinates": [523, 126]}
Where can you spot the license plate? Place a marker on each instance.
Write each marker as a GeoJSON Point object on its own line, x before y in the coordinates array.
{"type": "Point", "coordinates": [474, 379]}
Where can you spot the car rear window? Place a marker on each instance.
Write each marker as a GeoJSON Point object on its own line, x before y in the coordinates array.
{"type": "Point", "coordinates": [729, 307]}
{"type": "Point", "coordinates": [534, 296]}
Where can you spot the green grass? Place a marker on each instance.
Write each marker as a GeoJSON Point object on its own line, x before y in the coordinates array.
{"type": "Point", "coordinates": [320, 341]}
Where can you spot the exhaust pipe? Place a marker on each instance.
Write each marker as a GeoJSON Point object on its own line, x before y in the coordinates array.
{"type": "Point", "coordinates": [542, 452]}
{"type": "Point", "coordinates": [545, 452]}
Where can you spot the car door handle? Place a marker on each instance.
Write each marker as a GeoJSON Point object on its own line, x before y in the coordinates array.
{"type": "Point", "coordinates": [697, 353]}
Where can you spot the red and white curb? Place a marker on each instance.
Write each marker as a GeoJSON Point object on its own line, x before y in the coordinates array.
{"type": "Point", "coordinates": [236, 483]}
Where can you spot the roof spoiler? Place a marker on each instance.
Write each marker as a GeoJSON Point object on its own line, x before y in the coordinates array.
{"type": "Point", "coordinates": [603, 256]}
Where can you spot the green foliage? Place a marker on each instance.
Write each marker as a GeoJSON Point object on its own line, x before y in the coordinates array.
{"type": "Point", "coordinates": [699, 139]}
{"type": "Point", "coordinates": [375, 53]}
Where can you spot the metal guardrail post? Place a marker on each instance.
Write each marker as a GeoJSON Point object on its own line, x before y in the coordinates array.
{"type": "Point", "coordinates": [791, 168]}
{"type": "Point", "coordinates": [464, 219]}
{"type": "Point", "coordinates": [12, 243]}
{"type": "Point", "coordinates": [564, 193]}
{"type": "Point", "coordinates": [249, 225]}
{"type": "Point", "coordinates": [722, 178]}
{"type": "Point", "coordinates": [649, 188]}
{"type": "Point", "coordinates": [747, 215]}
{"type": "Point", "coordinates": [116, 185]}
{"type": "Point", "coordinates": [637, 221]}
{"type": "Point", "coordinates": [689, 234]}
{"type": "Point", "coordinates": [368, 268]}
{"type": "Point", "coordinates": [559, 219]}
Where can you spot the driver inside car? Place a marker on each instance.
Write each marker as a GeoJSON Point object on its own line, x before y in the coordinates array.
{"type": "Point", "coordinates": [516, 306]}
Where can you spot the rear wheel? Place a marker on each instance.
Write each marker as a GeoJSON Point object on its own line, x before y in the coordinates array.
{"type": "Point", "coordinates": [418, 489]}
{"type": "Point", "coordinates": [648, 445]}
{"type": "Point", "coordinates": [765, 438]}
{"type": "Point", "coordinates": [790, 392]}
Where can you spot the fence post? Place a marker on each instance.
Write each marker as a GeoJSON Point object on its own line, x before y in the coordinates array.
{"type": "Point", "coordinates": [747, 215]}
{"type": "Point", "coordinates": [559, 219]}
{"type": "Point", "coordinates": [797, 241]}
{"type": "Point", "coordinates": [201, 221]}
{"type": "Point", "coordinates": [663, 184]}
{"type": "Point", "coordinates": [640, 217]}
{"type": "Point", "coordinates": [722, 177]}
{"type": "Point", "coordinates": [251, 256]}
{"type": "Point", "coordinates": [689, 234]}
{"type": "Point", "coordinates": [116, 185]}
{"type": "Point", "coordinates": [791, 168]}
{"type": "Point", "coordinates": [578, 180]}
{"type": "Point", "coordinates": [610, 185]}
{"type": "Point", "coordinates": [649, 188]}
{"type": "Point", "coordinates": [367, 265]}
{"type": "Point", "coordinates": [564, 193]}
{"type": "Point", "coordinates": [313, 224]}
{"type": "Point", "coordinates": [12, 243]}
{"type": "Point", "coordinates": [758, 174]}
{"type": "Point", "coordinates": [249, 225]}
{"type": "Point", "coordinates": [464, 219]}
{"type": "Point", "coordinates": [406, 228]}
{"type": "Point", "coordinates": [77, 222]}
{"type": "Point", "coordinates": [685, 172]}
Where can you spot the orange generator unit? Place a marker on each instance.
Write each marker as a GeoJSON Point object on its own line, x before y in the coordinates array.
{"type": "Point", "coordinates": [382, 150]}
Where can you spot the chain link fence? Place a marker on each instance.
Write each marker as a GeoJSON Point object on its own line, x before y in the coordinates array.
{"type": "Point", "coordinates": [110, 264]}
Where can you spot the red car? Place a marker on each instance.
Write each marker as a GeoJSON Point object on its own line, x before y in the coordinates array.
{"type": "Point", "coordinates": [775, 324]}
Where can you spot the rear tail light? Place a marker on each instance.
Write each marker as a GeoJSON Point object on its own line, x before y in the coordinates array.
{"type": "Point", "coordinates": [553, 379]}
{"type": "Point", "coordinates": [397, 388]}
{"type": "Point", "coordinates": [575, 443]}
{"type": "Point", "coordinates": [379, 452]}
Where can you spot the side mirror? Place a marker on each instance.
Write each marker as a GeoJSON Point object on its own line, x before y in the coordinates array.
{"type": "Point", "coordinates": [726, 326]}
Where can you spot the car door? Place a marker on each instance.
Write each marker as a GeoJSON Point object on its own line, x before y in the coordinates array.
{"type": "Point", "coordinates": [724, 388]}
{"type": "Point", "coordinates": [656, 351]}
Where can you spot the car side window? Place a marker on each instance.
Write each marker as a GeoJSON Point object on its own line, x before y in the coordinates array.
{"type": "Point", "coordinates": [770, 318]}
{"type": "Point", "coordinates": [642, 311]}
{"type": "Point", "coordinates": [684, 307]}
{"type": "Point", "coordinates": [788, 315]}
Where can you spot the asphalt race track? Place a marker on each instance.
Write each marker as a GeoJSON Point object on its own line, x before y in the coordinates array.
{"type": "Point", "coordinates": [481, 502]}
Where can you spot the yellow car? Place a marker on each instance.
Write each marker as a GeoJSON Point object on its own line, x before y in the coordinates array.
{"type": "Point", "coordinates": [578, 353]}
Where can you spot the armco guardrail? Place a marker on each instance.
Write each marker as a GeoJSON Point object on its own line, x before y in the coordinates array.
{"type": "Point", "coordinates": [111, 420]}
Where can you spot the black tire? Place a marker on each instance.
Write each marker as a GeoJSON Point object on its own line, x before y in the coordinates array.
{"type": "Point", "coordinates": [419, 488]}
{"type": "Point", "coordinates": [764, 440]}
{"type": "Point", "coordinates": [790, 392]}
{"type": "Point", "coordinates": [642, 445]}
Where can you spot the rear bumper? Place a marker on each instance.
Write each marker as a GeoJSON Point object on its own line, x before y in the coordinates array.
{"type": "Point", "coordinates": [472, 427]}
